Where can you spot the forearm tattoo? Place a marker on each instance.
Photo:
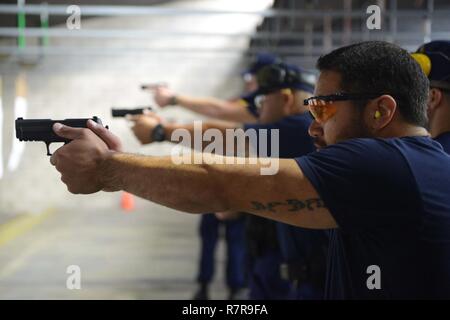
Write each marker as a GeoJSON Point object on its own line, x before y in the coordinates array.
{"type": "Point", "coordinates": [293, 205]}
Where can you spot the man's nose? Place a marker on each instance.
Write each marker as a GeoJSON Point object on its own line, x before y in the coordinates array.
{"type": "Point", "coordinates": [315, 130]}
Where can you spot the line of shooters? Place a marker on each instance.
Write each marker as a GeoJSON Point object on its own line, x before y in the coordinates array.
{"type": "Point", "coordinates": [361, 199]}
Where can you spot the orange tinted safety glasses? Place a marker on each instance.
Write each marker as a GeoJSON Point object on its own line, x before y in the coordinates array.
{"type": "Point", "coordinates": [323, 108]}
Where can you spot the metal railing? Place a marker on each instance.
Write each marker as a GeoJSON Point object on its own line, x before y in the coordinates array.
{"type": "Point", "coordinates": [91, 10]}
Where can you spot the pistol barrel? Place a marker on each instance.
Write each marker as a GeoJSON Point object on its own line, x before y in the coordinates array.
{"type": "Point", "coordinates": [118, 113]}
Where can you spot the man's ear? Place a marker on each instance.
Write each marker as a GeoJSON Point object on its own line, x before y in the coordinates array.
{"type": "Point", "coordinates": [381, 111]}
{"type": "Point", "coordinates": [434, 99]}
{"type": "Point", "coordinates": [288, 100]}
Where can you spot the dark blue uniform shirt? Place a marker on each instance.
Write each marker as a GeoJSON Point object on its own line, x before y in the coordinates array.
{"type": "Point", "coordinates": [444, 140]}
{"type": "Point", "coordinates": [249, 100]}
{"type": "Point", "coordinates": [294, 140]}
{"type": "Point", "coordinates": [391, 200]}
{"type": "Point", "coordinates": [296, 244]}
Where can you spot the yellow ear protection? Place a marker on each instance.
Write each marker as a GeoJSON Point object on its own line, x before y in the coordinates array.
{"type": "Point", "coordinates": [424, 61]}
{"type": "Point", "coordinates": [243, 103]}
{"type": "Point", "coordinates": [286, 91]}
{"type": "Point", "coordinates": [377, 114]}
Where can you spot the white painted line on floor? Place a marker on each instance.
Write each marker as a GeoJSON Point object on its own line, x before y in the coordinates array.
{"type": "Point", "coordinates": [17, 227]}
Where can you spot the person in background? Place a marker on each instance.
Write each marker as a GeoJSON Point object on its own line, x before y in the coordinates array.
{"type": "Point", "coordinates": [237, 110]}
{"type": "Point", "coordinates": [241, 109]}
{"type": "Point", "coordinates": [284, 262]}
{"type": "Point", "coordinates": [434, 59]}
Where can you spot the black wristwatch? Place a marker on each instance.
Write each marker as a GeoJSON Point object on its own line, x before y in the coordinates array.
{"type": "Point", "coordinates": [158, 134]}
{"type": "Point", "coordinates": [173, 101]}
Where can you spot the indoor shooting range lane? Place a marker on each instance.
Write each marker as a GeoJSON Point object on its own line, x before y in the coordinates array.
{"type": "Point", "coordinates": [147, 254]}
{"type": "Point", "coordinates": [150, 253]}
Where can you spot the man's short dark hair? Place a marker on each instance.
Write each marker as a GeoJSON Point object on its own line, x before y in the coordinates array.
{"type": "Point", "coordinates": [381, 67]}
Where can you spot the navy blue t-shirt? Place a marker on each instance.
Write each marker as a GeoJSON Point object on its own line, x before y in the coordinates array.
{"type": "Point", "coordinates": [249, 99]}
{"type": "Point", "coordinates": [297, 245]}
{"type": "Point", "coordinates": [444, 140]}
{"type": "Point", "coordinates": [391, 200]}
{"type": "Point", "coordinates": [294, 140]}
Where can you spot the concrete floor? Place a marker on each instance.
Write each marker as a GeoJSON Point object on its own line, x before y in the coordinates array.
{"type": "Point", "coordinates": [149, 253]}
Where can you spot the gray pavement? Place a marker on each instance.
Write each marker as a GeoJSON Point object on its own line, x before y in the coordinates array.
{"type": "Point", "coordinates": [149, 253]}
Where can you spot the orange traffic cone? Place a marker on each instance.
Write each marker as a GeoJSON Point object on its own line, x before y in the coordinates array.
{"type": "Point", "coordinates": [127, 202]}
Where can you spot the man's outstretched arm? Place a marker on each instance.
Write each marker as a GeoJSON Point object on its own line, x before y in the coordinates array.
{"type": "Point", "coordinates": [87, 165]}
{"type": "Point", "coordinates": [217, 108]}
{"type": "Point", "coordinates": [208, 106]}
{"type": "Point", "coordinates": [145, 124]}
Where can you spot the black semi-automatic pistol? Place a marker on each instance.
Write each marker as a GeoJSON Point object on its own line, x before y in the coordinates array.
{"type": "Point", "coordinates": [118, 113]}
{"type": "Point", "coordinates": [42, 129]}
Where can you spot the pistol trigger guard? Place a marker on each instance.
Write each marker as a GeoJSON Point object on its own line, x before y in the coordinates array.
{"type": "Point", "coordinates": [47, 144]}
